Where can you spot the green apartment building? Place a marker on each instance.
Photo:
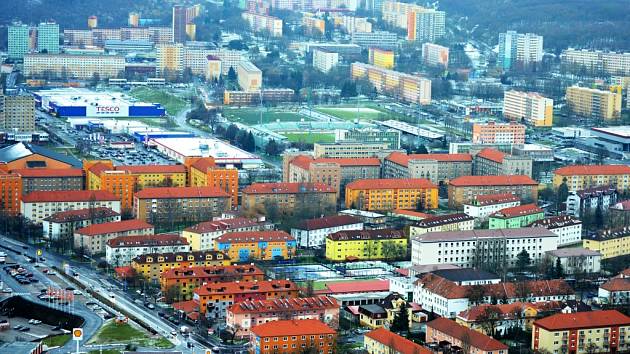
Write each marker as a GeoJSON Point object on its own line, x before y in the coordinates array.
{"type": "Point", "coordinates": [516, 217]}
{"type": "Point", "coordinates": [18, 40]}
{"type": "Point", "coordinates": [48, 38]}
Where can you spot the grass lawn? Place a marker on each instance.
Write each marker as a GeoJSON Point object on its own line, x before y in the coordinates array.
{"type": "Point", "coordinates": [56, 341]}
{"type": "Point", "coordinates": [251, 116]}
{"type": "Point", "coordinates": [350, 113]}
{"type": "Point", "coordinates": [173, 104]}
{"type": "Point", "coordinates": [310, 138]}
{"type": "Point", "coordinates": [112, 333]}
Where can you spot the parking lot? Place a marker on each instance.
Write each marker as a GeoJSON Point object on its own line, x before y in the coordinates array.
{"type": "Point", "coordinates": [140, 155]}
{"type": "Point", "coordinates": [26, 329]}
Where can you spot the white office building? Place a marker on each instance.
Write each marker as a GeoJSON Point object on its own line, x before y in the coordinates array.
{"type": "Point", "coordinates": [476, 247]}
{"type": "Point", "coordinates": [324, 60]}
{"type": "Point", "coordinates": [313, 232]}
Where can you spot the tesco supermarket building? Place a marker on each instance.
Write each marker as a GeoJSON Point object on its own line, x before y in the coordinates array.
{"type": "Point", "coordinates": [76, 102]}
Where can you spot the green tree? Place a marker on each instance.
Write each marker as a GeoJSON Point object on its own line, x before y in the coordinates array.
{"type": "Point", "coordinates": [349, 89]}
{"type": "Point", "coordinates": [231, 76]}
{"type": "Point", "coordinates": [559, 271]}
{"type": "Point", "coordinates": [489, 318]}
{"type": "Point", "coordinates": [273, 148]}
{"type": "Point", "coordinates": [562, 194]}
{"type": "Point", "coordinates": [400, 324]}
{"type": "Point", "coordinates": [475, 294]}
{"type": "Point", "coordinates": [523, 260]}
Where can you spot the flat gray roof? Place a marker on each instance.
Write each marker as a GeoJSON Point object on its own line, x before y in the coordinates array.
{"type": "Point", "coordinates": [524, 232]}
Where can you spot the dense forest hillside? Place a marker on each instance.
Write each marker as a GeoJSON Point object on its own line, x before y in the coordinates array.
{"type": "Point", "coordinates": [563, 23]}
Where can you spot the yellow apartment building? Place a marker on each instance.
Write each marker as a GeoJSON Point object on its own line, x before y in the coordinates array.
{"type": "Point", "coordinates": [610, 243]}
{"type": "Point", "coordinates": [582, 332]}
{"type": "Point", "coordinates": [390, 194]}
{"type": "Point", "coordinates": [366, 244]}
{"type": "Point", "coordinates": [580, 177]}
{"type": "Point", "coordinates": [589, 102]}
{"type": "Point", "coordinates": [150, 266]}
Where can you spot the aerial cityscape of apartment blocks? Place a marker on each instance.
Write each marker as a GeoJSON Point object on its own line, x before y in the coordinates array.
{"type": "Point", "coordinates": [315, 176]}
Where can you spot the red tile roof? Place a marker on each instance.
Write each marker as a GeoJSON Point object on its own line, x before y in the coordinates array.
{"type": "Point", "coordinates": [327, 222]}
{"type": "Point", "coordinates": [254, 236]}
{"type": "Point", "coordinates": [443, 287]}
{"type": "Point", "coordinates": [617, 284]}
{"type": "Point", "coordinates": [204, 164]}
{"type": "Point", "coordinates": [304, 161]}
{"type": "Point", "coordinates": [394, 183]}
{"type": "Point", "coordinates": [292, 328]}
{"type": "Point", "coordinates": [223, 224]}
{"type": "Point", "coordinates": [186, 306]}
{"type": "Point", "coordinates": [402, 159]}
{"type": "Point", "coordinates": [580, 320]}
{"type": "Point", "coordinates": [142, 169]}
{"type": "Point", "coordinates": [492, 199]}
{"type": "Point", "coordinates": [235, 270]}
{"type": "Point", "coordinates": [49, 172]}
{"type": "Point", "coordinates": [593, 170]}
{"type": "Point", "coordinates": [508, 311]}
{"type": "Point", "coordinates": [81, 214]}
{"type": "Point", "coordinates": [398, 344]}
{"type": "Point", "coordinates": [536, 288]}
{"type": "Point", "coordinates": [124, 272]}
{"type": "Point", "coordinates": [357, 287]}
{"type": "Point", "coordinates": [476, 339]}
{"type": "Point", "coordinates": [287, 188]}
{"type": "Point", "coordinates": [505, 180]}
{"type": "Point", "coordinates": [181, 192]}
{"type": "Point", "coordinates": [492, 155]}
{"type": "Point", "coordinates": [516, 211]}
{"type": "Point", "coordinates": [147, 240]}
{"type": "Point", "coordinates": [451, 290]}
{"type": "Point", "coordinates": [245, 287]}
{"type": "Point", "coordinates": [284, 305]}
{"type": "Point", "coordinates": [114, 226]}
{"type": "Point", "coordinates": [69, 196]}
{"type": "Point", "coordinates": [411, 213]}
{"type": "Point", "coordinates": [99, 168]}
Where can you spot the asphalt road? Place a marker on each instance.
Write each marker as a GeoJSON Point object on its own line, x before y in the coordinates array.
{"type": "Point", "coordinates": [92, 280]}
{"type": "Point", "coordinates": [92, 321]}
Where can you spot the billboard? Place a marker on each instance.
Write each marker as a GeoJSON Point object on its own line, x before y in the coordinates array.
{"type": "Point", "coordinates": [107, 110]}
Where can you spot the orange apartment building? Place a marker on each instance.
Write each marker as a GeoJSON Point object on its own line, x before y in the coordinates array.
{"type": "Point", "coordinates": [215, 299]}
{"type": "Point", "coordinates": [245, 315]}
{"type": "Point", "coordinates": [293, 336]}
{"type": "Point", "coordinates": [203, 172]}
{"type": "Point", "coordinates": [390, 194]}
{"type": "Point", "coordinates": [10, 192]}
{"type": "Point", "coordinates": [124, 181]}
{"type": "Point", "coordinates": [465, 189]}
{"type": "Point", "coordinates": [335, 172]}
{"type": "Point", "coordinates": [498, 133]}
{"type": "Point", "coordinates": [186, 279]}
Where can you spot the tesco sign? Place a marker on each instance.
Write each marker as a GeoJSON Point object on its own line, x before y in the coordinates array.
{"type": "Point", "coordinates": [110, 111]}
{"type": "Point", "coordinates": [107, 109]}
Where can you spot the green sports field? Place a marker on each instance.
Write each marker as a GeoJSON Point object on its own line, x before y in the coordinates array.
{"type": "Point", "coordinates": [251, 116]}
{"type": "Point", "coordinates": [350, 113]}
{"type": "Point", "coordinates": [310, 138]}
